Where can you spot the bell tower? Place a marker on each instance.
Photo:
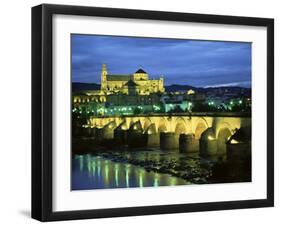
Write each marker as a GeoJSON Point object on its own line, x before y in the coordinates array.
{"type": "Point", "coordinates": [161, 84]}
{"type": "Point", "coordinates": [103, 77]}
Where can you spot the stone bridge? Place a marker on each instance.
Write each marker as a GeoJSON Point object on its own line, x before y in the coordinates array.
{"type": "Point", "coordinates": [169, 130]}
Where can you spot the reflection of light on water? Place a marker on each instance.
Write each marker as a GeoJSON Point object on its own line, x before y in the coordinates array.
{"type": "Point", "coordinates": [116, 168]}
{"type": "Point", "coordinates": [140, 179]}
{"type": "Point", "coordinates": [88, 161]}
{"type": "Point", "coordinates": [103, 172]}
{"type": "Point", "coordinates": [127, 175]}
{"type": "Point", "coordinates": [77, 157]}
{"type": "Point", "coordinates": [106, 170]}
{"type": "Point", "coordinates": [173, 181]}
{"type": "Point", "coordinates": [99, 169]}
{"type": "Point", "coordinates": [234, 141]}
{"type": "Point", "coordinates": [155, 183]}
{"type": "Point", "coordinates": [156, 180]}
{"type": "Point", "coordinates": [81, 163]}
{"type": "Point", "coordinates": [93, 168]}
{"type": "Point", "coordinates": [89, 166]}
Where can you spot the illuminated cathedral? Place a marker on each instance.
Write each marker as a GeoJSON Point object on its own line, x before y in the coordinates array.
{"type": "Point", "coordinates": [137, 83]}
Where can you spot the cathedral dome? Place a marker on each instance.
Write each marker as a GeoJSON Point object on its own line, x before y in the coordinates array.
{"type": "Point", "coordinates": [140, 71]}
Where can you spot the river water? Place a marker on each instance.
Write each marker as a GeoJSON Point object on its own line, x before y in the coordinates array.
{"type": "Point", "coordinates": [96, 172]}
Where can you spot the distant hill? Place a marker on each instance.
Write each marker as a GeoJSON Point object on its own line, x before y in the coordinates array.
{"type": "Point", "coordinates": [231, 89]}
{"type": "Point", "coordinates": [175, 87]}
{"type": "Point", "coordinates": [79, 86]}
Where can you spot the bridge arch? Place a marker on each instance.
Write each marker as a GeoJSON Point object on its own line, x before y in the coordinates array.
{"type": "Point", "coordinates": [223, 136]}
{"type": "Point", "coordinates": [131, 121]}
{"type": "Point", "coordinates": [123, 126]}
{"type": "Point", "coordinates": [151, 129]}
{"type": "Point", "coordinates": [146, 123]}
{"type": "Point", "coordinates": [136, 126]}
{"type": "Point", "coordinates": [180, 126]}
{"type": "Point", "coordinates": [118, 120]}
{"type": "Point", "coordinates": [232, 123]}
{"type": "Point", "coordinates": [111, 125]}
{"type": "Point", "coordinates": [162, 125]}
{"type": "Point", "coordinates": [200, 126]}
{"type": "Point", "coordinates": [180, 129]}
{"type": "Point", "coordinates": [99, 122]}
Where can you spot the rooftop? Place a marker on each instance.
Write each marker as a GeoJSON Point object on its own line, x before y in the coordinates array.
{"type": "Point", "coordinates": [119, 77]}
{"type": "Point", "coordinates": [140, 71]}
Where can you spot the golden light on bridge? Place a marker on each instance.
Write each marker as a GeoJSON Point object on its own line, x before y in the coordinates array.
{"type": "Point", "coordinates": [233, 141]}
{"type": "Point", "coordinates": [211, 138]}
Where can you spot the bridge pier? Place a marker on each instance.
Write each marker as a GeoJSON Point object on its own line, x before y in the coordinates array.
{"type": "Point", "coordinates": [208, 144]}
{"type": "Point", "coordinates": [188, 143]}
{"type": "Point", "coordinates": [239, 145]}
{"type": "Point", "coordinates": [86, 131]}
{"type": "Point", "coordinates": [238, 151]}
{"type": "Point", "coordinates": [107, 133]}
{"type": "Point", "coordinates": [120, 136]}
{"type": "Point", "coordinates": [152, 140]}
{"type": "Point", "coordinates": [92, 132]}
{"type": "Point", "coordinates": [152, 137]}
{"type": "Point", "coordinates": [98, 134]}
{"type": "Point", "coordinates": [136, 138]}
{"type": "Point", "coordinates": [169, 141]}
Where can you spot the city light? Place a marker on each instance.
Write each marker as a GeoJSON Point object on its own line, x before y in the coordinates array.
{"type": "Point", "coordinates": [123, 127]}
{"type": "Point", "coordinates": [234, 141]}
{"type": "Point", "coordinates": [156, 108]}
{"type": "Point", "coordinates": [149, 131]}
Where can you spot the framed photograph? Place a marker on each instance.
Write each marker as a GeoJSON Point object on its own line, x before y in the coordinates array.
{"type": "Point", "coordinates": [145, 112]}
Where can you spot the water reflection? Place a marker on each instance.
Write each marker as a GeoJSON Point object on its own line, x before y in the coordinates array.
{"type": "Point", "coordinates": [94, 172]}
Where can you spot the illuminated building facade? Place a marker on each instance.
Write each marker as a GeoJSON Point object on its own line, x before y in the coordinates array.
{"type": "Point", "coordinates": [133, 84]}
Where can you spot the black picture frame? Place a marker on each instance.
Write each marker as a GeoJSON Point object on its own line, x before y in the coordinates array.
{"type": "Point", "coordinates": [42, 111]}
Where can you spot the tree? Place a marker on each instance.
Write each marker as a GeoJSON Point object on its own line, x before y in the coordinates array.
{"type": "Point", "coordinates": [204, 107]}
{"type": "Point", "coordinates": [137, 111]}
{"type": "Point", "coordinates": [177, 109]}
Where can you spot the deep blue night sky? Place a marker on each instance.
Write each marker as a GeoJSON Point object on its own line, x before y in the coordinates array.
{"type": "Point", "coordinates": [191, 62]}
